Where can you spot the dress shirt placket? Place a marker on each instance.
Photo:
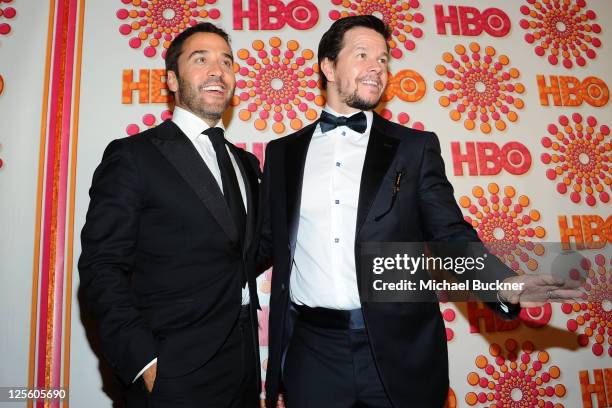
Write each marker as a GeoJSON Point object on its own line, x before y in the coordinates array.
{"type": "Point", "coordinates": [338, 240]}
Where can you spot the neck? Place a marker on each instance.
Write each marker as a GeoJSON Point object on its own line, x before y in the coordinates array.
{"type": "Point", "coordinates": [210, 120]}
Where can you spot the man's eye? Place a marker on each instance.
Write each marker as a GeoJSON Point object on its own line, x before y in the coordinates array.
{"type": "Point", "coordinates": [383, 60]}
{"type": "Point", "coordinates": [361, 55]}
{"type": "Point", "coordinates": [200, 60]}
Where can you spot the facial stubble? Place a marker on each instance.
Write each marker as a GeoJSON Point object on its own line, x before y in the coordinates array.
{"type": "Point", "coordinates": [191, 97]}
{"type": "Point", "coordinates": [357, 102]}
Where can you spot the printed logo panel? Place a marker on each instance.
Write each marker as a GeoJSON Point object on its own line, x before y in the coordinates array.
{"type": "Point", "coordinates": [513, 376]}
{"type": "Point", "coordinates": [152, 25]}
{"type": "Point", "coordinates": [578, 157]}
{"type": "Point", "coordinates": [592, 317]}
{"type": "Point", "coordinates": [277, 85]}
{"type": "Point", "coordinates": [470, 21]}
{"type": "Point", "coordinates": [402, 17]}
{"type": "Point", "coordinates": [561, 30]}
{"type": "Point", "coordinates": [506, 224]}
{"type": "Point", "coordinates": [274, 14]}
{"type": "Point", "coordinates": [481, 87]}
{"type": "Point", "coordinates": [6, 13]}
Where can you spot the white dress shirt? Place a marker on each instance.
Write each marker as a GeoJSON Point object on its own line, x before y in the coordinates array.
{"type": "Point", "coordinates": [323, 272]}
{"type": "Point", "coordinates": [192, 126]}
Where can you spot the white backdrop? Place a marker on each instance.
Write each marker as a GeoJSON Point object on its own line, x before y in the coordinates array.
{"type": "Point", "coordinates": [103, 116]}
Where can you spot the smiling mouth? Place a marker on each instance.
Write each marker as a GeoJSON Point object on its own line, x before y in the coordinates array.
{"type": "Point", "coordinates": [213, 89]}
{"type": "Point", "coordinates": [370, 83]}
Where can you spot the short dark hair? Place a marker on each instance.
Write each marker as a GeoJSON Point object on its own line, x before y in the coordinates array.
{"type": "Point", "coordinates": [176, 47]}
{"type": "Point", "coordinates": [332, 41]}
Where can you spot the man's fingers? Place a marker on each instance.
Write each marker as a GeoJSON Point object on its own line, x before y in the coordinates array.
{"type": "Point", "coordinates": [571, 284]}
{"type": "Point", "coordinates": [550, 280]}
{"type": "Point", "coordinates": [565, 294]}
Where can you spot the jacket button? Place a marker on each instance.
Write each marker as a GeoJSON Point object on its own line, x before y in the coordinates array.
{"type": "Point", "coordinates": [283, 287]}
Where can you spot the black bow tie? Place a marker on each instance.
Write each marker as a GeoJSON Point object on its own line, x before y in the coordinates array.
{"type": "Point", "coordinates": [357, 122]}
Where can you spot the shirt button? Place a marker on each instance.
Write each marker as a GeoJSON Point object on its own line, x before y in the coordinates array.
{"type": "Point", "coordinates": [343, 133]}
{"type": "Point", "coordinates": [338, 164]}
{"type": "Point", "coordinates": [336, 240]}
{"type": "Point", "coordinates": [337, 201]}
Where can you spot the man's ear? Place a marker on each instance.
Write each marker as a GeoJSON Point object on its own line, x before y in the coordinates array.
{"type": "Point", "coordinates": [329, 69]}
{"type": "Point", "coordinates": [172, 81]}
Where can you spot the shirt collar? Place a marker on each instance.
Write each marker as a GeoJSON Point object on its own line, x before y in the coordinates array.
{"type": "Point", "coordinates": [369, 118]}
{"type": "Point", "coordinates": [191, 125]}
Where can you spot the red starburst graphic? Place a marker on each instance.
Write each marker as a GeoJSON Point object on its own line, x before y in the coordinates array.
{"type": "Point", "coordinates": [398, 15]}
{"type": "Point", "coordinates": [518, 378]}
{"type": "Point", "coordinates": [593, 316]}
{"type": "Point", "coordinates": [149, 120]}
{"type": "Point", "coordinates": [580, 158]}
{"type": "Point", "coordinates": [6, 13]}
{"type": "Point", "coordinates": [402, 118]}
{"type": "Point", "coordinates": [155, 23]}
{"type": "Point", "coordinates": [277, 85]}
{"type": "Point", "coordinates": [561, 29]}
{"type": "Point", "coordinates": [480, 86]}
{"type": "Point", "coordinates": [506, 225]}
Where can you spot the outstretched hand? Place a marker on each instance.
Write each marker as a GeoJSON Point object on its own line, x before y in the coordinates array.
{"type": "Point", "coordinates": [539, 289]}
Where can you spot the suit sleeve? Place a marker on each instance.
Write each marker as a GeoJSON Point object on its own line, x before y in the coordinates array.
{"type": "Point", "coordinates": [265, 248]}
{"type": "Point", "coordinates": [254, 162]}
{"type": "Point", "coordinates": [443, 218]}
{"type": "Point", "coordinates": [444, 223]}
{"type": "Point", "coordinates": [108, 241]}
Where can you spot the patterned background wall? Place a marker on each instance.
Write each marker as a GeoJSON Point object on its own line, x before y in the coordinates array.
{"type": "Point", "coordinates": [517, 91]}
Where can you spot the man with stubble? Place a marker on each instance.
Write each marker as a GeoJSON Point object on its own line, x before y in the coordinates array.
{"type": "Point", "coordinates": [348, 178]}
{"type": "Point", "coordinates": [168, 245]}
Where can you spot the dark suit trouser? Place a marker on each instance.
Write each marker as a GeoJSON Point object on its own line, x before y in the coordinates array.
{"type": "Point", "coordinates": [228, 380]}
{"type": "Point", "coordinates": [331, 368]}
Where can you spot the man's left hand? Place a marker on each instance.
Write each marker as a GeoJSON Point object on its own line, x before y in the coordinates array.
{"type": "Point", "coordinates": [539, 289]}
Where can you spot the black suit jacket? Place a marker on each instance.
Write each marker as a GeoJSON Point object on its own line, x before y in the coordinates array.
{"type": "Point", "coordinates": [161, 264]}
{"type": "Point", "coordinates": [408, 339]}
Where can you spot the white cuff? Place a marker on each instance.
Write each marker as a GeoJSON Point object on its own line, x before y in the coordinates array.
{"type": "Point", "coordinates": [502, 304]}
{"type": "Point", "coordinates": [144, 369]}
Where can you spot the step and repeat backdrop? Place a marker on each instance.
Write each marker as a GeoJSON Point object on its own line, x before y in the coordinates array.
{"type": "Point", "coordinates": [517, 91]}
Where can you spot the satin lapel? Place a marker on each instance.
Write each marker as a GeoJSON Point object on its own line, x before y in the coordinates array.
{"type": "Point", "coordinates": [295, 159]}
{"type": "Point", "coordinates": [251, 187]}
{"type": "Point", "coordinates": [180, 152]}
{"type": "Point", "coordinates": [379, 155]}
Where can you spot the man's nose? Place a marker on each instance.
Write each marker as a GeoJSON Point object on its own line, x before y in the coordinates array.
{"type": "Point", "coordinates": [215, 69]}
{"type": "Point", "coordinates": [376, 66]}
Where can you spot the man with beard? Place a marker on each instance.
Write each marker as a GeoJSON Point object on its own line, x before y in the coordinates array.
{"type": "Point", "coordinates": [353, 177]}
{"type": "Point", "coordinates": [168, 245]}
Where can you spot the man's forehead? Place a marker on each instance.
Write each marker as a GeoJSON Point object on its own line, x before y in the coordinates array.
{"type": "Point", "coordinates": [363, 37]}
{"type": "Point", "coordinates": [206, 42]}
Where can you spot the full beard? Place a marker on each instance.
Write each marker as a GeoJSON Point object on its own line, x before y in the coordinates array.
{"type": "Point", "coordinates": [191, 98]}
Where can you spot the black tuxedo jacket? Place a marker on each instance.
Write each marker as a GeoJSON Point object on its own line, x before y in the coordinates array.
{"type": "Point", "coordinates": [161, 264]}
{"type": "Point", "coordinates": [408, 339]}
